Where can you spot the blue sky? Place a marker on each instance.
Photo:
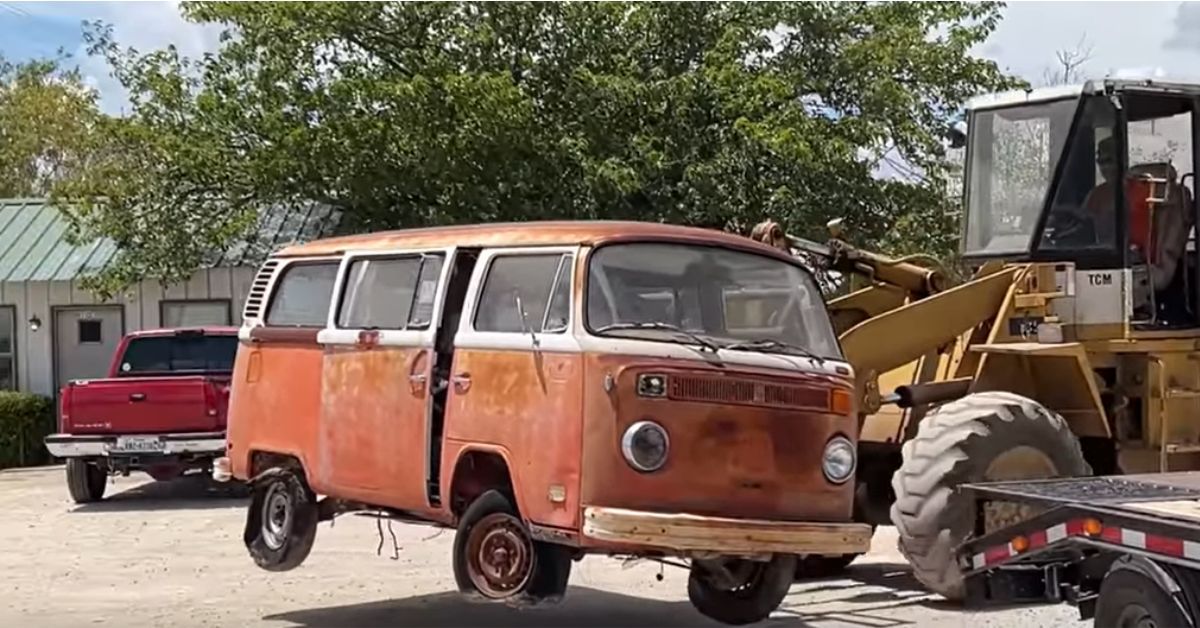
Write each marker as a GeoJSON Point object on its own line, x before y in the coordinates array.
{"type": "Point", "coordinates": [1142, 38]}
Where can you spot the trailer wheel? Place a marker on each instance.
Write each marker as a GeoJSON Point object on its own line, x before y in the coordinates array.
{"type": "Point", "coordinates": [281, 522]}
{"type": "Point", "coordinates": [86, 481]}
{"type": "Point", "coordinates": [496, 557]}
{"type": "Point", "coordinates": [738, 591]}
{"type": "Point", "coordinates": [987, 436]}
{"type": "Point", "coordinates": [1130, 599]}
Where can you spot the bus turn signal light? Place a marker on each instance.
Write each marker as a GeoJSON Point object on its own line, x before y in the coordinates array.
{"type": "Point", "coordinates": [840, 401]}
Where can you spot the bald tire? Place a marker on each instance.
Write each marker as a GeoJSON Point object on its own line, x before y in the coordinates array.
{"type": "Point", "coordinates": [955, 444]}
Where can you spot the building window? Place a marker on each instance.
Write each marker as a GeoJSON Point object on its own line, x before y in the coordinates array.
{"type": "Point", "coordinates": [90, 331]}
{"type": "Point", "coordinates": [8, 348]}
{"type": "Point", "coordinates": [211, 312]}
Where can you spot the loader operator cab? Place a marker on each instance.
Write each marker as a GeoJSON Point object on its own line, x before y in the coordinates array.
{"type": "Point", "coordinates": [1098, 175]}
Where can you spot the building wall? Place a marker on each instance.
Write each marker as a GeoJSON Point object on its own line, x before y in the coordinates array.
{"type": "Point", "coordinates": [34, 350]}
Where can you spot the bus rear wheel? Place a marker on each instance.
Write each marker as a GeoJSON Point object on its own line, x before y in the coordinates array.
{"type": "Point", "coordinates": [281, 522]}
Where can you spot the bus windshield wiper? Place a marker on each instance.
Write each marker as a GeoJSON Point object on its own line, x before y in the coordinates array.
{"type": "Point", "coordinates": [694, 337]}
{"type": "Point", "coordinates": [766, 344]}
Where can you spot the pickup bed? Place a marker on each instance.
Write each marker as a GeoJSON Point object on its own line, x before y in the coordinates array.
{"type": "Point", "coordinates": [161, 410]}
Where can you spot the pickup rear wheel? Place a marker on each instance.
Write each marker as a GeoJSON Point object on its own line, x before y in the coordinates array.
{"type": "Point", "coordinates": [983, 437]}
{"type": "Point", "coordinates": [85, 480]}
{"type": "Point", "coordinates": [281, 522]}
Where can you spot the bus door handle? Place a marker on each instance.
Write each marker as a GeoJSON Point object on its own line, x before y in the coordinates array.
{"type": "Point", "coordinates": [416, 383]}
{"type": "Point", "coordinates": [462, 382]}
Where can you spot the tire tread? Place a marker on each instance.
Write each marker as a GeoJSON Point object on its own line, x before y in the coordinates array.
{"type": "Point", "coordinates": [953, 444]}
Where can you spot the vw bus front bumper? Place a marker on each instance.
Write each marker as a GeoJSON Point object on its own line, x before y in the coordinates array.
{"type": "Point", "coordinates": [693, 534]}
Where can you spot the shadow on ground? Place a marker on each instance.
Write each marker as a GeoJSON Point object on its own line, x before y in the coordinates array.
{"type": "Point", "coordinates": [582, 608]}
{"type": "Point", "coordinates": [875, 588]}
{"type": "Point", "coordinates": [190, 492]}
{"type": "Point", "coordinates": [855, 593]}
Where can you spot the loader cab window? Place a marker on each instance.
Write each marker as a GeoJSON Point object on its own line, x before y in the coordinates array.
{"type": "Point", "coordinates": [1159, 205]}
{"type": "Point", "coordinates": [1011, 162]}
{"type": "Point", "coordinates": [1081, 220]}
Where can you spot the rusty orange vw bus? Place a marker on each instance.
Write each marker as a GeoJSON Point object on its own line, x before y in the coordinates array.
{"type": "Point", "coordinates": [551, 390]}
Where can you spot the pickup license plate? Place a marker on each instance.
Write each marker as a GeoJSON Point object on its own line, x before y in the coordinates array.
{"type": "Point", "coordinates": [137, 444]}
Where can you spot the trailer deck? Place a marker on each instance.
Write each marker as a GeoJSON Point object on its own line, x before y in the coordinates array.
{"type": "Point", "coordinates": [1082, 531]}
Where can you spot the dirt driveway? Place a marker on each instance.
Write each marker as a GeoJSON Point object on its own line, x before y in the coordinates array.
{"type": "Point", "coordinates": [171, 554]}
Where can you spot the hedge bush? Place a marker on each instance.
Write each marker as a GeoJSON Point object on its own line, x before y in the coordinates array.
{"type": "Point", "coordinates": [25, 419]}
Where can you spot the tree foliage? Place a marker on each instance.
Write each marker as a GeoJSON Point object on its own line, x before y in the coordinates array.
{"type": "Point", "coordinates": [46, 117]}
{"type": "Point", "coordinates": [409, 114]}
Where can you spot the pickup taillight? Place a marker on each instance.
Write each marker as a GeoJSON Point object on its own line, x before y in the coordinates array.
{"type": "Point", "coordinates": [64, 405]}
{"type": "Point", "coordinates": [210, 400]}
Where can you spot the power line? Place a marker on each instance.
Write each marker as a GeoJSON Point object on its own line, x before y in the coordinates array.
{"type": "Point", "coordinates": [14, 9]}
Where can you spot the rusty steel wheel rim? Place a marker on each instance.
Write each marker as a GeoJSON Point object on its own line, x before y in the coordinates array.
{"type": "Point", "coordinates": [277, 514]}
{"type": "Point", "coordinates": [500, 557]}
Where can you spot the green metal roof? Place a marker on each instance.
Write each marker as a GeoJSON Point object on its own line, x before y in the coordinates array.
{"type": "Point", "coordinates": [34, 244]}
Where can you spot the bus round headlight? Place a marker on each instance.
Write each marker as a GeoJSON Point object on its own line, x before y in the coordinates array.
{"type": "Point", "coordinates": [839, 460]}
{"type": "Point", "coordinates": [645, 446]}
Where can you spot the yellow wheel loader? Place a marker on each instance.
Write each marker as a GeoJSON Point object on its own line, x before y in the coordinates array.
{"type": "Point", "coordinates": [1074, 347]}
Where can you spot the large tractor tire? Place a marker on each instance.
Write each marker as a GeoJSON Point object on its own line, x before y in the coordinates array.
{"type": "Point", "coordinates": [989, 436]}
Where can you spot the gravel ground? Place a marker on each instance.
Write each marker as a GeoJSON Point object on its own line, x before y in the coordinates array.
{"type": "Point", "coordinates": [161, 554]}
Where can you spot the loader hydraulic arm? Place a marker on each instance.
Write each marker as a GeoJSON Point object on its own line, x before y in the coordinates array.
{"type": "Point", "coordinates": [914, 279]}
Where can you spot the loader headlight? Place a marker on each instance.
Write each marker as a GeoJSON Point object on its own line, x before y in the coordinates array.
{"type": "Point", "coordinates": [645, 445]}
{"type": "Point", "coordinates": [839, 459]}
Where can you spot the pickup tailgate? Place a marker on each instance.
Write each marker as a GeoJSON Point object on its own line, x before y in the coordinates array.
{"type": "Point", "coordinates": [145, 405]}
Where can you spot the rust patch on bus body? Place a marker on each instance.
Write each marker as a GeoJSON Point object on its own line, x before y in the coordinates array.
{"type": "Point", "coordinates": [371, 443]}
{"type": "Point", "coordinates": [727, 460]}
{"type": "Point", "coordinates": [529, 404]}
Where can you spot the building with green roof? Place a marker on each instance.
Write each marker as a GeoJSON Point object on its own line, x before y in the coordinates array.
{"type": "Point", "coordinates": [53, 331]}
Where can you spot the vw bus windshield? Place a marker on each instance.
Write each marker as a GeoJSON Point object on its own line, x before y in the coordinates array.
{"type": "Point", "coordinates": [708, 296]}
{"type": "Point", "coordinates": [1011, 161]}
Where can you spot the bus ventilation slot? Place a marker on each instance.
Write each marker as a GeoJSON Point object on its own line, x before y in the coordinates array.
{"type": "Point", "coordinates": [746, 392]}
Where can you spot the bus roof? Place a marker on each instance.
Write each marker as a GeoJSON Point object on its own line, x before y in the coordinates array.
{"type": "Point", "coordinates": [523, 234]}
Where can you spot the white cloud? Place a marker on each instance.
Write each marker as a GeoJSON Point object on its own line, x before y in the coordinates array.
{"type": "Point", "coordinates": [144, 26]}
{"type": "Point", "coordinates": [1130, 37]}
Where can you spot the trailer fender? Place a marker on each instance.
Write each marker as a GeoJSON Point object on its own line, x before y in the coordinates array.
{"type": "Point", "coordinates": [1167, 578]}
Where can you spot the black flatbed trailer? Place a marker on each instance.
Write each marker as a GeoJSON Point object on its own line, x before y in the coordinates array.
{"type": "Point", "coordinates": [1124, 549]}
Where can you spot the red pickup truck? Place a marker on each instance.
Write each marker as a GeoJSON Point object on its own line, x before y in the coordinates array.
{"type": "Point", "coordinates": [161, 410]}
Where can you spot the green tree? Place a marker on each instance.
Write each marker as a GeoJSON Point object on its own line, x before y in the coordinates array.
{"type": "Point", "coordinates": [409, 114]}
{"type": "Point", "coordinates": [46, 117]}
